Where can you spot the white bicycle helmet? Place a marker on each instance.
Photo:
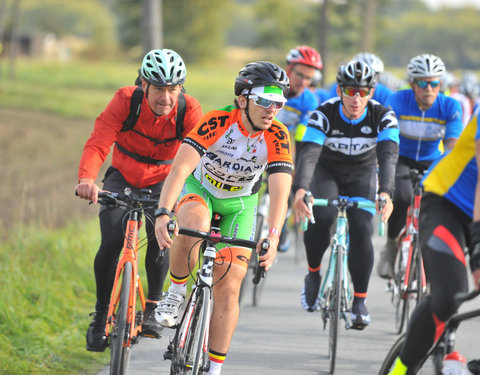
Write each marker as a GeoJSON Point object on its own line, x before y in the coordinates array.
{"type": "Point", "coordinates": [163, 67]}
{"type": "Point", "coordinates": [425, 65]}
{"type": "Point", "coordinates": [373, 60]}
{"type": "Point", "coordinates": [469, 85]}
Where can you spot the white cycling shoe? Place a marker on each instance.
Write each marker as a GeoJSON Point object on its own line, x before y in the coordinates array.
{"type": "Point", "coordinates": [168, 309]}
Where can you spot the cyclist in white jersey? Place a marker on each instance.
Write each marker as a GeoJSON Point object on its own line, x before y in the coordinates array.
{"type": "Point", "coordinates": [219, 168]}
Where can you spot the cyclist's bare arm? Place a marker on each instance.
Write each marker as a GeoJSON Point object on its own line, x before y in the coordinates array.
{"type": "Point", "coordinates": [185, 162]}
{"type": "Point", "coordinates": [86, 189]}
{"type": "Point", "coordinates": [279, 185]}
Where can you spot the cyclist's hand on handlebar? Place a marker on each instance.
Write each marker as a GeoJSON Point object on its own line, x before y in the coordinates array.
{"type": "Point", "coordinates": [86, 189]}
{"type": "Point", "coordinates": [268, 258]}
{"type": "Point", "coordinates": [301, 209]}
{"type": "Point", "coordinates": [161, 232]}
{"type": "Point", "coordinates": [387, 208]}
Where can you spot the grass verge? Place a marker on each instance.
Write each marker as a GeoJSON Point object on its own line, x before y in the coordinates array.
{"type": "Point", "coordinates": [47, 293]}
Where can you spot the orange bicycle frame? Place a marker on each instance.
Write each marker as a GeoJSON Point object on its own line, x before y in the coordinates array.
{"type": "Point", "coordinates": [129, 254]}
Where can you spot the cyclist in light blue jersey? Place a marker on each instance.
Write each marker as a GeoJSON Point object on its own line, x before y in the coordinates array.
{"type": "Point", "coordinates": [426, 117]}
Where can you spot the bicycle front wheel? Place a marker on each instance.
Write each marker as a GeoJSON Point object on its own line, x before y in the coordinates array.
{"type": "Point", "coordinates": [335, 304]}
{"type": "Point", "coordinates": [431, 364]}
{"type": "Point", "coordinates": [190, 355]}
{"type": "Point", "coordinates": [119, 351]}
{"type": "Point", "coordinates": [400, 300]}
{"type": "Point", "coordinates": [392, 356]}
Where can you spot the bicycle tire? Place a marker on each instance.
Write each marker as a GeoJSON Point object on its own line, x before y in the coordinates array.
{"type": "Point", "coordinates": [119, 353]}
{"type": "Point", "coordinates": [418, 269]}
{"type": "Point", "coordinates": [431, 364]}
{"type": "Point", "coordinates": [399, 301]}
{"type": "Point", "coordinates": [201, 356]}
{"type": "Point", "coordinates": [392, 355]}
{"type": "Point", "coordinates": [335, 309]}
{"type": "Point", "coordinates": [188, 358]}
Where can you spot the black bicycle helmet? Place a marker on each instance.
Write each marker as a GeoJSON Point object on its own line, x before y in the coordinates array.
{"type": "Point", "coordinates": [356, 73]}
{"type": "Point", "coordinates": [261, 73]}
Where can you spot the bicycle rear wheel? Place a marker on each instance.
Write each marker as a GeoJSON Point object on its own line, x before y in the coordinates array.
{"type": "Point", "coordinates": [119, 351]}
{"type": "Point", "coordinates": [335, 309]}
{"type": "Point", "coordinates": [191, 355]}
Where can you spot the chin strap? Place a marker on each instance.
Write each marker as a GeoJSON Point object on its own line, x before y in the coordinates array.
{"type": "Point", "coordinates": [248, 114]}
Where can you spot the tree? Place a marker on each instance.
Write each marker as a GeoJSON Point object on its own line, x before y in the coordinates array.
{"type": "Point", "coordinates": [152, 28]}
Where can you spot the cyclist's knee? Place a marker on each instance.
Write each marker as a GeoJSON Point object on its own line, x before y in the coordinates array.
{"type": "Point", "coordinates": [227, 279]}
{"type": "Point", "coordinates": [195, 215]}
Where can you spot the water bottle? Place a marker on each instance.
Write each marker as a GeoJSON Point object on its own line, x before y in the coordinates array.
{"type": "Point", "coordinates": [455, 364]}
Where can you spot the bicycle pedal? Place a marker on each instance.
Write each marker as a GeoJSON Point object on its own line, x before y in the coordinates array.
{"type": "Point", "coordinates": [168, 355]}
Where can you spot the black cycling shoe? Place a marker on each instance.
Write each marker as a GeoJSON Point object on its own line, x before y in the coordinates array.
{"type": "Point", "coordinates": [96, 339]}
{"type": "Point", "coordinates": [359, 315]}
{"type": "Point", "coordinates": [474, 366]}
{"type": "Point", "coordinates": [150, 326]}
{"type": "Point", "coordinates": [309, 298]}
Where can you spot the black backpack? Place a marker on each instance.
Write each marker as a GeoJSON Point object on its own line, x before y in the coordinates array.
{"type": "Point", "coordinates": [135, 109]}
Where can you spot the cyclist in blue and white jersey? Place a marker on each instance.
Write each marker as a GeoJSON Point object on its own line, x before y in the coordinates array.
{"type": "Point", "coordinates": [346, 138]}
{"type": "Point", "coordinates": [449, 223]}
{"type": "Point", "coordinates": [426, 118]}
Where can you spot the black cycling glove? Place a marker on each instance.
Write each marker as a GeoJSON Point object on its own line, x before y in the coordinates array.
{"type": "Point", "coordinates": [475, 245]}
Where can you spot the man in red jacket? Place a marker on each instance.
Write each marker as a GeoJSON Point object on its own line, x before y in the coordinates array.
{"type": "Point", "coordinates": [141, 158]}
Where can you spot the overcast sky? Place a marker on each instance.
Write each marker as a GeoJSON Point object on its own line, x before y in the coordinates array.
{"type": "Point", "coordinates": [452, 3]}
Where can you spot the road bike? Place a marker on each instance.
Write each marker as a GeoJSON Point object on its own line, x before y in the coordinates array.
{"type": "Point", "coordinates": [432, 362]}
{"type": "Point", "coordinates": [335, 293]}
{"type": "Point", "coordinates": [409, 284]}
{"type": "Point", "coordinates": [188, 350]}
{"type": "Point", "coordinates": [124, 322]}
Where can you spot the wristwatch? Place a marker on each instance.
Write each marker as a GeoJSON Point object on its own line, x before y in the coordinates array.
{"type": "Point", "coordinates": [162, 211]}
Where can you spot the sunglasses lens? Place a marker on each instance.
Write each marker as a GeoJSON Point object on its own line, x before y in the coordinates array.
{"type": "Point", "coordinates": [424, 84]}
{"type": "Point", "coordinates": [265, 103]}
{"type": "Point", "coordinates": [352, 92]}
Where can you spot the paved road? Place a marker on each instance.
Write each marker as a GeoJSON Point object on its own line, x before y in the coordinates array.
{"type": "Point", "coordinates": [278, 337]}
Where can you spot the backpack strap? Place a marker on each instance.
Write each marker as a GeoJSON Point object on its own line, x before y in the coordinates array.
{"type": "Point", "coordinates": [135, 108]}
{"type": "Point", "coordinates": [181, 109]}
